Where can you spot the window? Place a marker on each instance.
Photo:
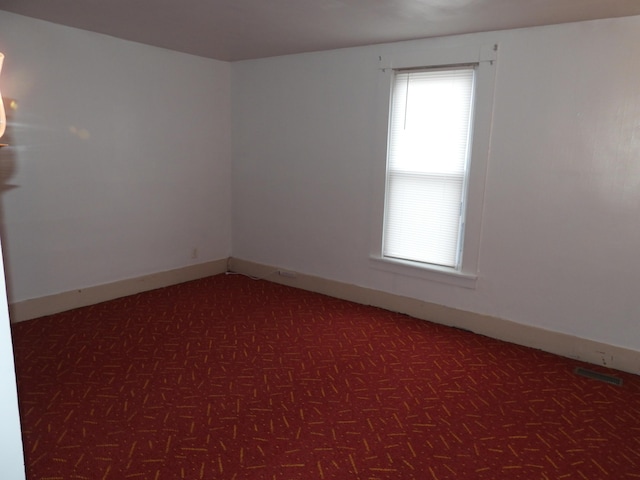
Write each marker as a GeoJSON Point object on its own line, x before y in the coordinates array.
{"type": "Point", "coordinates": [437, 132]}
{"type": "Point", "coordinates": [426, 165]}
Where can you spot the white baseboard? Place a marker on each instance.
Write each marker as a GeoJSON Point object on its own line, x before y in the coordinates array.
{"type": "Point", "coordinates": [60, 302]}
{"type": "Point", "coordinates": [570, 346]}
{"type": "Point", "coordinates": [558, 343]}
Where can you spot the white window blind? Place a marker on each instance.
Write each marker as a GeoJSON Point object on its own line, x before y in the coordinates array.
{"type": "Point", "coordinates": [427, 161]}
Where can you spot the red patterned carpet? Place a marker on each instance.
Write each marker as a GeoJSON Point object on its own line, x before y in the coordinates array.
{"type": "Point", "coordinates": [230, 378]}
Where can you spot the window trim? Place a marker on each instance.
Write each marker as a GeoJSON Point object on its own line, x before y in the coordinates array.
{"type": "Point", "coordinates": [485, 57]}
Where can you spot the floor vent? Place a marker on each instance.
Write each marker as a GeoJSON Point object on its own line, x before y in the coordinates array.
{"type": "Point", "coordinates": [598, 376]}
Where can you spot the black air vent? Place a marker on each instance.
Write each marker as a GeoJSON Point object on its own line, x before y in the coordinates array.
{"type": "Point", "coordinates": [598, 376]}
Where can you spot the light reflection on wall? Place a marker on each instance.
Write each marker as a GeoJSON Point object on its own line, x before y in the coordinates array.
{"type": "Point", "coordinates": [3, 118]}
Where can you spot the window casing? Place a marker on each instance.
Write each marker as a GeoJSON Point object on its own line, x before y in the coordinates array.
{"type": "Point", "coordinates": [441, 188]}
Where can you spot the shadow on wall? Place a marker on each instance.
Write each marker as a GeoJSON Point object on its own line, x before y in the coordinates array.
{"type": "Point", "coordinates": [8, 164]}
{"type": "Point", "coordinates": [7, 154]}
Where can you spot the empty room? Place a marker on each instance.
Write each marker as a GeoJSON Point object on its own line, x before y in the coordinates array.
{"type": "Point", "coordinates": [235, 245]}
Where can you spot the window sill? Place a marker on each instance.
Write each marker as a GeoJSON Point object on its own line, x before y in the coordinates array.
{"type": "Point", "coordinates": [425, 272]}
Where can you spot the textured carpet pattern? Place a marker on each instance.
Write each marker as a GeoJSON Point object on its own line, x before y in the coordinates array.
{"type": "Point", "coordinates": [230, 378]}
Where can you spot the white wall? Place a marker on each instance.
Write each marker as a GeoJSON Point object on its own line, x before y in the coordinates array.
{"type": "Point", "coordinates": [561, 226]}
{"type": "Point", "coordinates": [119, 164]}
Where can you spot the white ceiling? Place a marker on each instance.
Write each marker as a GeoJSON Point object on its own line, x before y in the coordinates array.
{"type": "Point", "coordinates": [244, 29]}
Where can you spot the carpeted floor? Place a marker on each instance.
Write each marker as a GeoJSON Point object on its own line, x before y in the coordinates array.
{"type": "Point", "coordinates": [231, 378]}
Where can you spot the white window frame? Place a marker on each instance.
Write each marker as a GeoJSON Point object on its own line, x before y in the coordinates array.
{"type": "Point", "coordinates": [485, 58]}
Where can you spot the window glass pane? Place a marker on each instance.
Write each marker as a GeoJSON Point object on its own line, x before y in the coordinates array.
{"type": "Point", "coordinates": [423, 224]}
